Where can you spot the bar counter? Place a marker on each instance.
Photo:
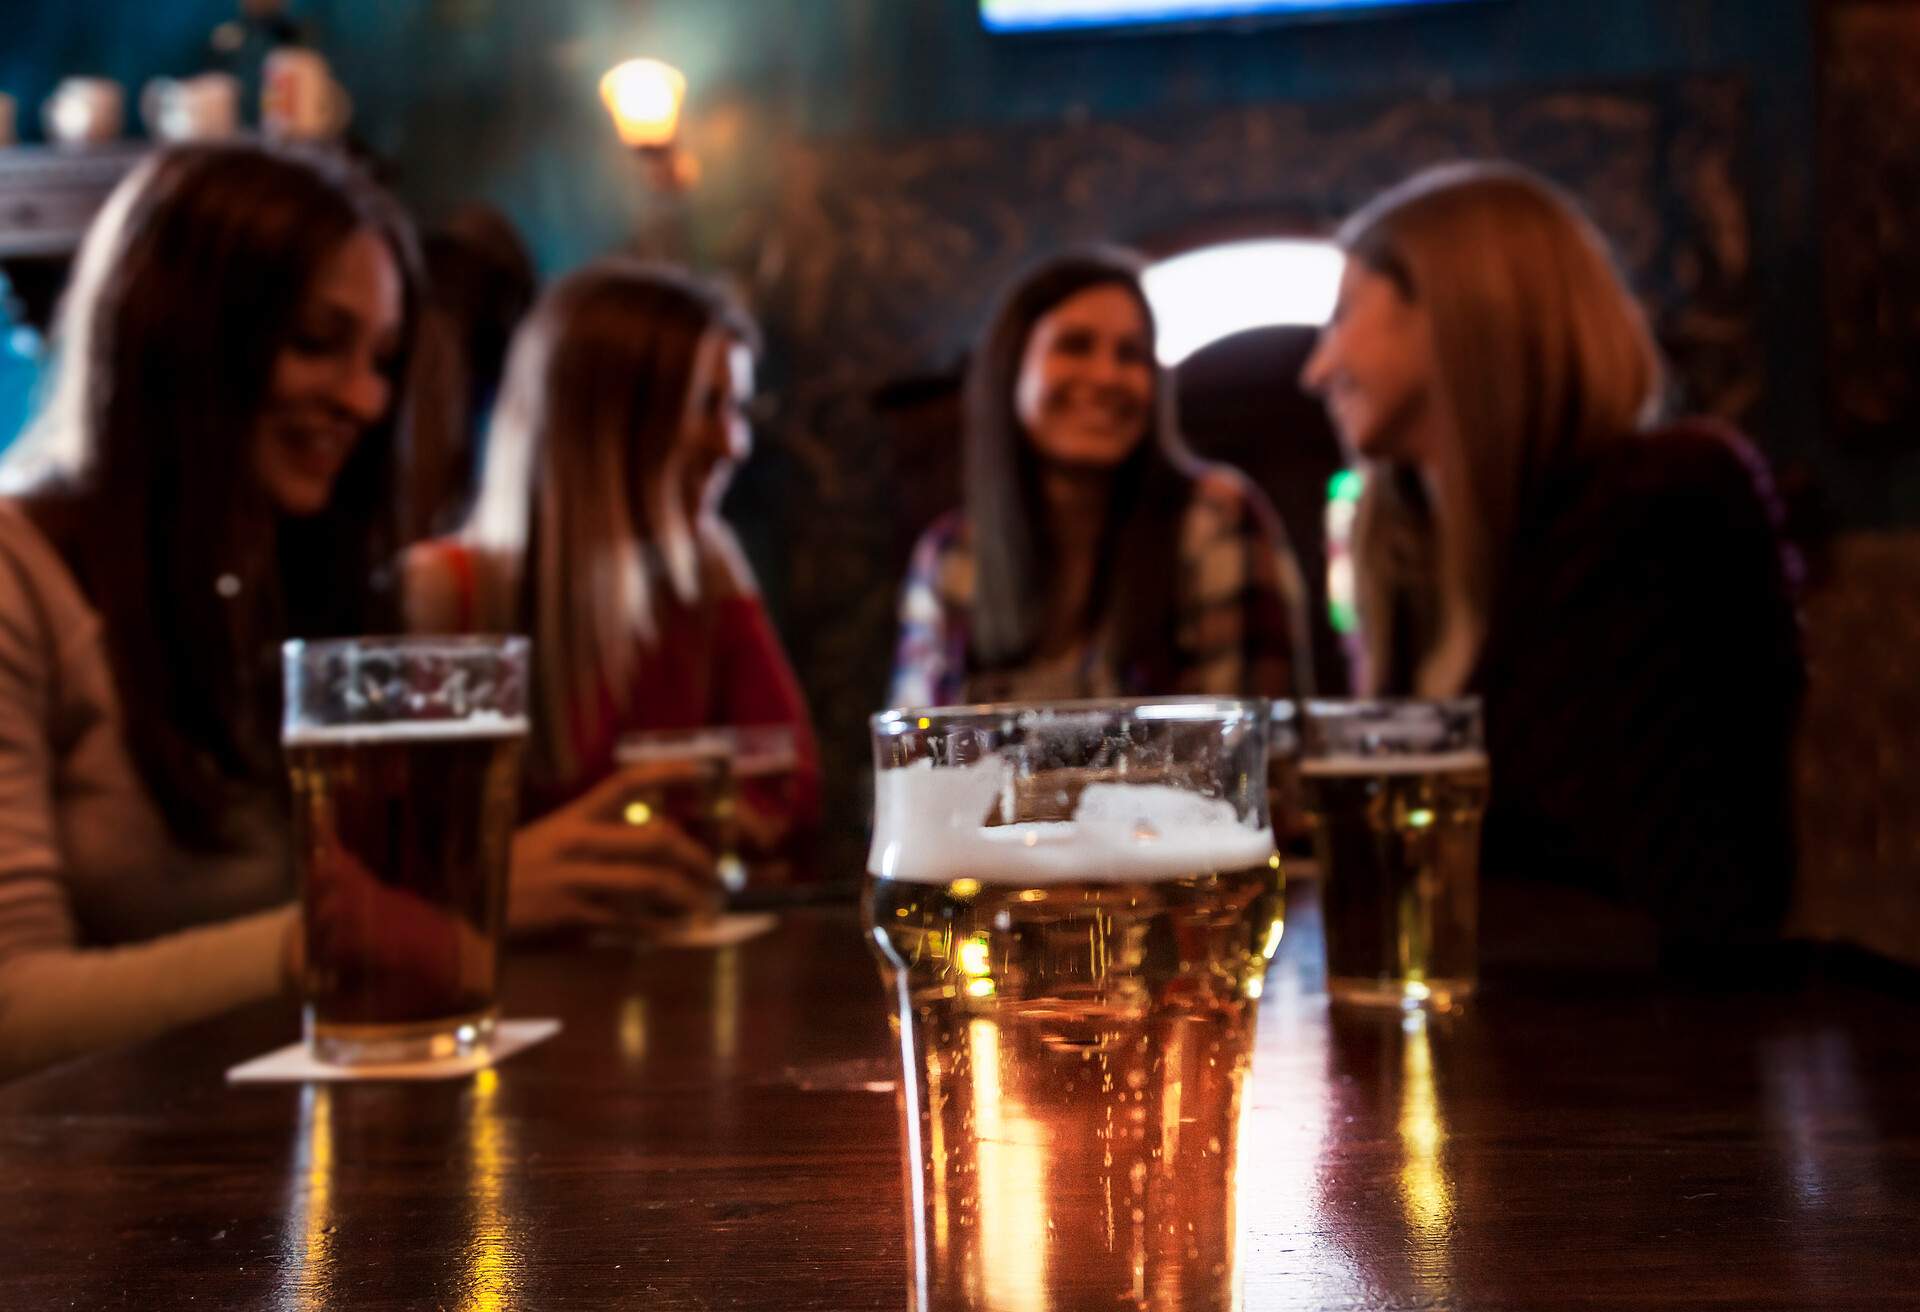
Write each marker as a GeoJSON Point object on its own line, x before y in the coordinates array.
{"type": "Point", "coordinates": [716, 1129]}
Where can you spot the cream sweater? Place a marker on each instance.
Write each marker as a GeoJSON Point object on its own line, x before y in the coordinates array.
{"type": "Point", "coordinates": [109, 933]}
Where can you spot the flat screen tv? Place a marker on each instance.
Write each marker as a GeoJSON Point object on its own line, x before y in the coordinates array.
{"type": "Point", "coordinates": [1067, 15]}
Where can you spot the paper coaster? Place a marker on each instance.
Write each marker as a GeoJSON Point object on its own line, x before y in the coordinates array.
{"type": "Point", "coordinates": [294, 1064]}
{"type": "Point", "coordinates": [720, 932]}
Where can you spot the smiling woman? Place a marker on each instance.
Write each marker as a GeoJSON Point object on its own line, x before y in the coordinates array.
{"type": "Point", "coordinates": [214, 472]}
{"type": "Point", "coordinates": [1095, 555]}
{"type": "Point", "coordinates": [332, 380]}
{"type": "Point", "coordinates": [1534, 532]}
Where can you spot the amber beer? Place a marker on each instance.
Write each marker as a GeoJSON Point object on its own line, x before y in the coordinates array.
{"type": "Point", "coordinates": [403, 834]}
{"type": "Point", "coordinates": [1395, 796]}
{"type": "Point", "coordinates": [402, 829]}
{"type": "Point", "coordinates": [698, 778]}
{"type": "Point", "coordinates": [1075, 1004]}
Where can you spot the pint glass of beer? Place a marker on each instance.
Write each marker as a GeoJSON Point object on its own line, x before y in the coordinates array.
{"type": "Point", "coordinates": [1073, 909]}
{"type": "Point", "coordinates": [698, 778]}
{"type": "Point", "coordinates": [1395, 791]}
{"type": "Point", "coordinates": [1284, 805]}
{"type": "Point", "coordinates": [405, 762]}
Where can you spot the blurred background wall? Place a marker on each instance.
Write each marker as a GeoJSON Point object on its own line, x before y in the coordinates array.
{"type": "Point", "coordinates": [871, 170]}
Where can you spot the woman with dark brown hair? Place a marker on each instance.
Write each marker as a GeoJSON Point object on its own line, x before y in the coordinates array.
{"type": "Point", "coordinates": [215, 471]}
{"type": "Point", "coordinates": [480, 282]}
{"type": "Point", "coordinates": [596, 532]}
{"type": "Point", "coordinates": [1094, 555]}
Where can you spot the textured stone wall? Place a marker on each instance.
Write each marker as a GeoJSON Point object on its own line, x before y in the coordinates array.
{"type": "Point", "coordinates": [1860, 753]}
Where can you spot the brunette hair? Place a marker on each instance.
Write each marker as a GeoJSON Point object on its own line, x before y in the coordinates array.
{"type": "Point", "coordinates": [579, 494]}
{"type": "Point", "coordinates": [1541, 354]}
{"type": "Point", "coordinates": [1012, 546]}
{"type": "Point", "coordinates": [480, 282]}
{"type": "Point", "coordinates": [140, 469]}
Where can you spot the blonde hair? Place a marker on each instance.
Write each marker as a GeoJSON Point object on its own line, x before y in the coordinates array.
{"type": "Point", "coordinates": [1541, 354]}
{"type": "Point", "coordinates": [579, 493]}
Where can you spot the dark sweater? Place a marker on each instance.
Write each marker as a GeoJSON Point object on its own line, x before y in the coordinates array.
{"type": "Point", "coordinates": [1642, 676]}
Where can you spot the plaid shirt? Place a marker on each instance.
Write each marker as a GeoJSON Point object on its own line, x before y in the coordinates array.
{"type": "Point", "coordinates": [1240, 605]}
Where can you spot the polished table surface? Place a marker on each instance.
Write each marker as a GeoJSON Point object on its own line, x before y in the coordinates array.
{"type": "Point", "coordinates": [714, 1129]}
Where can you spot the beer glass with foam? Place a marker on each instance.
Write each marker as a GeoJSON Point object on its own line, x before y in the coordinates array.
{"type": "Point", "coordinates": [699, 778]}
{"type": "Point", "coordinates": [405, 763]}
{"type": "Point", "coordinates": [1073, 908]}
{"type": "Point", "coordinates": [1395, 791]}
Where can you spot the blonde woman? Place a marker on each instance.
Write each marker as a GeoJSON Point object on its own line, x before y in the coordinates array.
{"type": "Point", "coordinates": [1613, 586]}
{"type": "Point", "coordinates": [594, 531]}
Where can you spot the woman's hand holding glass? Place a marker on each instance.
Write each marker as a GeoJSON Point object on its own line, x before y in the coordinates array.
{"type": "Point", "coordinates": [585, 865]}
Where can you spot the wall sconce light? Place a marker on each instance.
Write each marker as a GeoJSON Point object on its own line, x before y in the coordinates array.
{"type": "Point", "coordinates": [644, 97]}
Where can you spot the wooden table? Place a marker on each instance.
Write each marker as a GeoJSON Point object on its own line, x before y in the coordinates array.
{"type": "Point", "coordinates": [711, 1130]}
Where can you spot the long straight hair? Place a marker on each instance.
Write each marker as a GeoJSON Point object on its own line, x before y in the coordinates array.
{"type": "Point", "coordinates": [1542, 355]}
{"type": "Point", "coordinates": [579, 497]}
{"type": "Point", "coordinates": [140, 470]}
{"type": "Point", "coordinates": [1014, 551]}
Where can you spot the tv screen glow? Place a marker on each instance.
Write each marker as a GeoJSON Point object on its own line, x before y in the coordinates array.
{"type": "Point", "coordinates": [1055, 15]}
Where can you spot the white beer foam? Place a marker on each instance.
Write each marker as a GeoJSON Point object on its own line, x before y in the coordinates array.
{"type": "Point", "coordinates": [406, 731]}
{"type": "Point", "coordinates": [929, 832]}
{"type": "Point", "coordinates": [1347, 767]}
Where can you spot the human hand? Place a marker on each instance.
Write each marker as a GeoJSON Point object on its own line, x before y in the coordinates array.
{"type": "Point", "coordinates": [578, 866]}
{"type": "Point", "coordinates": [354, 927]}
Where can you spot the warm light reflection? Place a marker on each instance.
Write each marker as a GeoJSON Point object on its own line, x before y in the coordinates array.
{"type": "Point", "coordinates": [726, 1004]}
{"type": "Point", "coordinates": [310, 1226]}
{"type": "Point", "coordinates": [937, 1163]}
{"type": "Point", "coordinates": [975, 957]}
{"type": "Point", "coordinates": [633, 1029]}
{"type": "Point", "coordinates": [1009, 1162]}
{"type": "Point", "coordinates": [1425, 1189]}
{"type": "Point", "coordinates": [644, 96]}
{"type": "Point", "coordinates": [1285, 1171]}
{"type": "Point", "coordinates": [489, 1273]}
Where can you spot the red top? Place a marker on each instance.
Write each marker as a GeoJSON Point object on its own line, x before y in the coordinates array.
{"type": "Point", "coordinates": [716, 662]}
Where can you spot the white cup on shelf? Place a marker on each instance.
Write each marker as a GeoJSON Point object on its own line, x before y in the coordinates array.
{"type": "Point", "coordinates": [84, 111]}
{"type": "Point", "coordinates": [202, 108]}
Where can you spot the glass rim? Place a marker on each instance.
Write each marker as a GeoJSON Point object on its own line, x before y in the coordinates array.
{"type": "Point", "coordinates": [1183, 708]}
{"type": "Point", "coordinates": [1378, 728]}
{"type": "Point", "coordinates": [450, 644]}
{"type": "Point", "coordinates": [1321, 706]}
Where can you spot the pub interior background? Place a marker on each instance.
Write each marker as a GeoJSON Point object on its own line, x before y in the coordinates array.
{"type": "Point", "coordinates": [870, 170]}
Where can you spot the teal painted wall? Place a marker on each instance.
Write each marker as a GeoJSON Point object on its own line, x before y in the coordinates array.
{"type": "Point", "coordinates": [496, 99]}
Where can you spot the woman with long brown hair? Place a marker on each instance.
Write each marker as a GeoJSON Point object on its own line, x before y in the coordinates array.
{"type": "Point", "coordinates": [1094, 554]}
{"type": "Point", "coordinates": [595, 531]}
{"type": "Point", "coordinates": [214, 471]}
{"type": "Point", "coordinates": [1612, 585]}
